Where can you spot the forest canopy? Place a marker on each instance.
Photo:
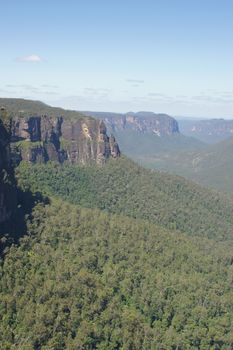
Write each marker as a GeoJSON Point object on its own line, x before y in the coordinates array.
{"type": "Point", "coordinates": [84, 279]}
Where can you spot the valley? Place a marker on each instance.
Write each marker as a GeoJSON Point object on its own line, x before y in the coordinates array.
{"type": "Point", "coordinates": [98, 252]}
{"type": "Point", "coordinates": [211, 167]}
{"type": "Point", "coordinates": [200, 150]}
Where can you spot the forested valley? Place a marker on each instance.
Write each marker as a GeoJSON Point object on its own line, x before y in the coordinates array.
{"type": "Point", "coordinates": [115, 257]}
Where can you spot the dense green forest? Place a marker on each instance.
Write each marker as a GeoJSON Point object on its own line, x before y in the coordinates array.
{"type": "Point", "coordinates": [121, 186]}
{"type": "Point", "coordinates": [85, 279]}
{"type": "Point", "coordinates": [117, 257]}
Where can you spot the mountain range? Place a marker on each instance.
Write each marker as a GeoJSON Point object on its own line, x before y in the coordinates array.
{"type": "Point", "coordinates": [211, 166]}
{"type": "Point", "coordinates": [187, 147]}
{"type": "Point", "coordinates": [207, 130]}
{"type": "Point", "coordinates": [146, 133]}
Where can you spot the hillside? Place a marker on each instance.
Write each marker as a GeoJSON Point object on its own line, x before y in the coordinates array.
{"type": "Point", "coordinates": [83, 279]}
{"type": "Point", "coordinates": [211, 167]}
{"type": "Point", "coordinates": [139, 146]}
{"type": "Point", "coordinates": [121, 186]}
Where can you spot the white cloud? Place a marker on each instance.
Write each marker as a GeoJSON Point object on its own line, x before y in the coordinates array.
{"type": "Point", "coordinates": [30, 58]}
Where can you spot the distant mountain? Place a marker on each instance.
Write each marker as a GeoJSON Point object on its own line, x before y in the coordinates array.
{"type": "Point", "coordinates": [146, 133]}
{"type": "Point", "coordinates": [212, 166]}
{"type": "Point", "coordinates": [142, 122]}
{"type": "Point", "coordinates": [209, 130]}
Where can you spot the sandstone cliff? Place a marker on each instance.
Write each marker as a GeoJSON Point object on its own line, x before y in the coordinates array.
{"type": "Point", "coordinates": [141, 122]}
{"type": "Point", "coordinates": [7, 186]}
{"type": "Point", "coordinates": [56, 135]}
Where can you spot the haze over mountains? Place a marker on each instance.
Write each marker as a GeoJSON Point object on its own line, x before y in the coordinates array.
{"type": "Point", "coordinates": [143, 122]}
{"type": "Point", "coordinates": [211, 166]}
{"type": "Point", "coordinates": [207, 130]}
{"type": "Point", "coordinates": [146, 133]}
{"type": "Point", "coordinates": [159, 141]}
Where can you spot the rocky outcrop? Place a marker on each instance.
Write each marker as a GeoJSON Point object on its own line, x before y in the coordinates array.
{"type": "Point", "coordinates": [7, 186]}
{"type": "Point", "coordinates": [75, 138]}
{"type": "Point", "coordinates": [142, 122]}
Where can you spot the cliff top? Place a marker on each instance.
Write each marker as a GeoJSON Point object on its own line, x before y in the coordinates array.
{"type": "Point", "coordinates": [140, 114]}
{"type": "Point", "coordinates": [26, 108]}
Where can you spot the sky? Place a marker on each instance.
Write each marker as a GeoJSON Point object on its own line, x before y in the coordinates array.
{"type": "Point", "coordinates": [170, 56]}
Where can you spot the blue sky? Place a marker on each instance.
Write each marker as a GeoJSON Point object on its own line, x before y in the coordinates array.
{"type": "Point", "coordinates": [173, 56]}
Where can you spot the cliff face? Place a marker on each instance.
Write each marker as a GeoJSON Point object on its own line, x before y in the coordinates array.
{"type": "Point", "coordinates": [81, 140]}
{"type": "Point", "coordinates": [58, 135]}
{"type": "Point", "coordinates": [53, 135]}
{"type": "Point", "coordinates": [7, 188]}
{"type": "Point", "coordinates": [209, 130]}
{"type": "Point", "coordinates": [142, 122]}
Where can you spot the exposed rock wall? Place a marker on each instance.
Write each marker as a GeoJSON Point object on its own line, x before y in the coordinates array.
{"type": "Point", "coordinates": [142, 122]}
{"type": "Point", "coordinates": [7, 186]}
{"type": "Point", "coordinates": [77, 141]}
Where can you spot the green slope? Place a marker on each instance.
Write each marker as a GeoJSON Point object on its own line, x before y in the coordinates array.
{"type": "Point", "coordinates": [141, 145]}
{"type": "Point", "coordinates": [86, 280]}
{"type": "Point", "coordinates": [211, 167]}
{"type": "Point", "coordinates": [124, 187]}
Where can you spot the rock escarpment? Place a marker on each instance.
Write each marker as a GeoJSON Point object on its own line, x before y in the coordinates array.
{"type": "Point", "coordinates": [207, 130]}
{"type": "Point", "coordinates": [142, 122]}
{"type": "Point", "coordinates": [58, 135]}
{"type": "Point", "coordinates": [7, 185]}
{"type": "Point", "coordinates": [40, 139]}
{"type": "Point", "coordinates": [34, 132]}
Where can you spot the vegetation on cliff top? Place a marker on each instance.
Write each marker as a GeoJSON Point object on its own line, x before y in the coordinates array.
{"type": "Point", "coordinates": [18, 107]}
